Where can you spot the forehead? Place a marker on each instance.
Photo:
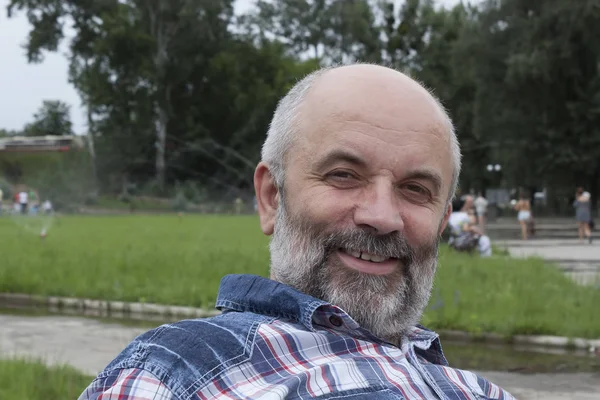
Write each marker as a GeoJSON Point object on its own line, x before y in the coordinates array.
{"type": "Point", "coordinates": [395, 126]}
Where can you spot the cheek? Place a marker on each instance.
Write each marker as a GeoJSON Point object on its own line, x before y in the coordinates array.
{"type": "Point", "coordinates": [421, 225]}
{"type": "Point", "coordinates": [325, 205]}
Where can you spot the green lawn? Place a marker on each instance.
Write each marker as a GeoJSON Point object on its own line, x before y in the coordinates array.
{"type": "Point", "coordinates": [180, 260]}
{"type": "Point", "coordinates": [32, 380]}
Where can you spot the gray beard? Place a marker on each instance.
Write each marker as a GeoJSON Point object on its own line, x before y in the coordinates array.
{"type": "Point", "coordinates": [304, 256]}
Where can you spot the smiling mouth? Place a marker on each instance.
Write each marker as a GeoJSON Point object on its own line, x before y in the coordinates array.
{"type": "Point", "coordinates": [368, 263]}
{"type": "Point", "coordinates": [363, 255]}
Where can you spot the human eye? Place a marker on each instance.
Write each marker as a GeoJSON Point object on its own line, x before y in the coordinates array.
{"type": "Point", "coordinates": [416, 192]}
{"type": "Point", "coordinates": [343, 178]}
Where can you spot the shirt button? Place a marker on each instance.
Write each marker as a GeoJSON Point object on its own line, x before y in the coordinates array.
{"type": "Point", "coordinates": [336, 321]}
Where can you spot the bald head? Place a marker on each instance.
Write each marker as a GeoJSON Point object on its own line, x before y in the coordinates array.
{"type": "Point", "coordinates": [376, 95]}
{"type": "Point", "coordinates": [363, 84]}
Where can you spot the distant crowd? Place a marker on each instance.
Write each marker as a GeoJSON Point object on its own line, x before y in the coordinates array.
{"type": "Point", "coordinates": [466, 225]}
{"type": "Point", "coordinates": [25, 201]}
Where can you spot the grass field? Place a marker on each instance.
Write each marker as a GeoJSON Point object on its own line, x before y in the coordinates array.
{"type": "Point", "coordinates": [173, 260]}
{"type": "Point", "coordinates": [32, 380]}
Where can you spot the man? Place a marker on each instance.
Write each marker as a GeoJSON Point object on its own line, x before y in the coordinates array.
{"type": "Point", "coordinates": [354, 187]}
{"type": "Point", "coordinates": [465, 235]}
{"type": "Point", "coordinates": [23, 201]}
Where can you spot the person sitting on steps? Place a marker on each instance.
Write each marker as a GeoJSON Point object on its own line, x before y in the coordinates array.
{"type": "Point", "coordinates": [465, 235]}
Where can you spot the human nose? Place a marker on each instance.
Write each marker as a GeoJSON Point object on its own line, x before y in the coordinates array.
{"type": "Point", "coordinates": [379, 211]}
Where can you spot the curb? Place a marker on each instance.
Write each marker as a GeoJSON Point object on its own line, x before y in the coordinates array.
{"type": "Point", "coordinates": [102, 308]}
{"type": "Point", "coordinates": [159, 312]}
{"type": "Point", "coordinates": [546, 341]}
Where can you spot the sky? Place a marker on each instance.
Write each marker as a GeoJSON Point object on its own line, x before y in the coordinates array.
{"type": "Point", "coordinates": [24, 86]}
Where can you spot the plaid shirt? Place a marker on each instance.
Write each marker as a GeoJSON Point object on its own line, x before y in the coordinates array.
{"type": "Point", "coordinates": [272, 342]}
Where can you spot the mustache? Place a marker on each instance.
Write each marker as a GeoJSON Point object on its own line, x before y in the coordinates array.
{"type": "Point", "coordinates": [392, 245]}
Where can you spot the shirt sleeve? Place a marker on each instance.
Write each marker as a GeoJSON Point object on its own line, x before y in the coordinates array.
{"type": "Point", "coordinates": [493, 391]}
{"type": "Point", "coordinates": [127, 384]}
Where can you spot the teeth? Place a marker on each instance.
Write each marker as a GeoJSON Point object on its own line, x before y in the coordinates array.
{"type": "Point", "coordinates": [377, 258]}
{"type": "Point", "coordinates": [367, 256]}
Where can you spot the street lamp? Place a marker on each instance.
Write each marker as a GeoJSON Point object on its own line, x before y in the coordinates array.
{"type": "Point", "coordinates": [495, 173]}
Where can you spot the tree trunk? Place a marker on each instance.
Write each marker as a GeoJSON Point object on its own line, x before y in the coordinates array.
{"type": "Point", "coordinates": [161, 140]}
{"type": "Point", "coordinates": [90, 133]}
{"type": "Point", "coordinates": [162, 33]}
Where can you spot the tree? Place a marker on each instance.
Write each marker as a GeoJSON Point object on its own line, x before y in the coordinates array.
{"type": "Point", "coordinates": [327, 30]}
{"type": "Point", "coordinates": [52, 118]}
{"type": "Point", "coordinates": [537, 82]}
{"type": "Point", "coordinates": [127, 58]}
{"type": "Point", "coordinates": [8, 133]}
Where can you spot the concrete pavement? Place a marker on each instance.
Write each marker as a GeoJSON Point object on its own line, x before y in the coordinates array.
{"type": "Point", "coordinates": [89, 345]}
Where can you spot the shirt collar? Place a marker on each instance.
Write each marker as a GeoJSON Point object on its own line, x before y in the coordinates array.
{"type": "Point", "coordinates": [250, 293]}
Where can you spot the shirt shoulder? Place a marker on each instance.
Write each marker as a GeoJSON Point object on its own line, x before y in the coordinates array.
{"type": "Point", "coordinates": [459, 384]}
{"type": "Point", "coordinates": [186, 355]}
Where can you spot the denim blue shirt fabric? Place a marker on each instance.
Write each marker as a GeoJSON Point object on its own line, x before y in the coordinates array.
{"type": "Point", "coordinates": [273, 342]}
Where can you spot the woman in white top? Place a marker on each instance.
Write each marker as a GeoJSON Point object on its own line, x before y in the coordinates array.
{"type": "Point", "coordinates": [523, 206]}
{"type": "Point", "coordinates": [481, 207]}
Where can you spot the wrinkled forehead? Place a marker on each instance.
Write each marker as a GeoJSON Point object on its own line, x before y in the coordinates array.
{"type": "Point", "coordinates": [383, 98]}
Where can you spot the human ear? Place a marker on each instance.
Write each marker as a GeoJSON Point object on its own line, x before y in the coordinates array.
{"type": "Point", "coordinates": [267, 197]}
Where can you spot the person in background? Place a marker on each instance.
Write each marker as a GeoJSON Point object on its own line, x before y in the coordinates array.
{"type": "Point", "coordinates": [23, 199]}
{"type": "Point", "coordinates": [1, 198]}
{"type": "Point", "coordinates": [523, 206]}
{"type": "Point", "coordinates": [481, 205]}
{"type": "Point", "coordinates": [465, 235]}
{"type": "Point", "coordinates": [34, 199]}
{"type": "Point", "coordinates": [47, 207]}
{"type": "Point", "coordinates": [354, 185]}
{"type": "Point", "coordinates": [583, 213]}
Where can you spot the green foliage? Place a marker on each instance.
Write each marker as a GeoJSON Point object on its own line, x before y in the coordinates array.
{"type": "Point", "coordinates": [32, 380]}
{"type": "Point", "coordinates": [329, 30]}
{"type": "Point", "coordinates": [53, 118]}
{"type": "Point", "coordinates": [180, 260]}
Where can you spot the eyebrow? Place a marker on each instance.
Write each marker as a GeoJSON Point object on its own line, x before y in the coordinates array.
{"type": "Point", "coordinates": [339, 155]}
{"type": "Point", "coordinates": [428, 175]}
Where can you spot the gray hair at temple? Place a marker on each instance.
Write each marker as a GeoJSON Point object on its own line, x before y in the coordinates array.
{"type": "Point", "coordinates": [284, 127]}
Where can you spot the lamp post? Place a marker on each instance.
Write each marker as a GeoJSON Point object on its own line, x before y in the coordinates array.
{"type": "Point", "coordinates": [495, 170]}
{"type": "Point", "coordinates": [493, 195]}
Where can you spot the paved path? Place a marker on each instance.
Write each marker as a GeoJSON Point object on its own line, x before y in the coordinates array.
{"type": "Point", "coordinates": [89, 345]}
{"type": "Point", "coordinates": [554, 249]}
{"type": "Point", "coordinates": [86, 344]}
